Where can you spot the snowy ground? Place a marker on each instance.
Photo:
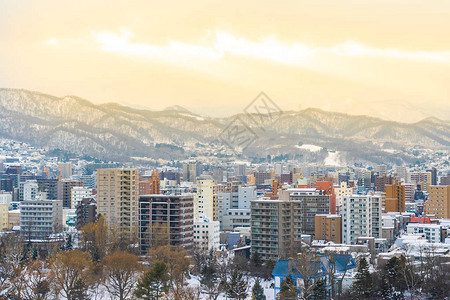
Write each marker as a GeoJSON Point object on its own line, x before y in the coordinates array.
{"type": "Point", "coordinates": [268, 291]}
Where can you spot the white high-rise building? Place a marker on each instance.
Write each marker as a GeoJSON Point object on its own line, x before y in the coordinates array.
{"type": "Point", "coordinates": [361, 217]}
{"type": "Point", "coordinates": [203, 200]}
{"type": "Point", "coordinates": [234, 207]}
{"type": "Point", "coordinates": [78, 194]}
{"type": "Point", "coordinates": [341, 191]}
{"type": "Point", "coordinates": [206, 234]}
{"type": "Point", "coordinates": [40, 218]}
{"type": "Point", "coordinates": [28, 190]}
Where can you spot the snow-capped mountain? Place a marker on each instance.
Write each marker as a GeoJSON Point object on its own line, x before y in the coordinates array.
{"type": "Point", "coordinates": [119, 132]}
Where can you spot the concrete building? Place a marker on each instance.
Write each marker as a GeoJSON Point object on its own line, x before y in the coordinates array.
{"type": "Point", "coordinates": [144, 187]}
{"type": "Point", "coordinates": [28, 190]}
{"type": "Point", "coordinates": [65, 191]}
{"type": "Point", "coordinates": [50, 187]}
{"type": "Point", "coordinates": [328, 228]}
{"type": "Point", "coordinates": [4, 217]}
{"type": "Point", "coordinates": [237, 199]}
{"type": "Point", "coordinates": [432, 232]}
{"type": "Point", "coordinates": [421, 177]}
{"type": "Point", "coordinates": [117, 199]}
{"type": "Point", "coordinates": [40, 218]}
{"type": "Point", "coordinates": [203, 200]}
{"type": "Point", "coordinates": [65, 170]}
{"type": "Point", "coordinates": [277, 225]}
{"type": "Point", "coordinates": [86, 212]}
{"type": "Point", "coordinates": [206, 234]}
{"type": "Point", "coordinates": [395, 197]}
{"type": "Point", "coordinates": [166, 219]}
{"type": "Point", "coordinates": [438, 202]}
{"type": "Point", "coordinates": [78, 194]}
{"type": "Point", "coordinates": [190, 172]}
{"type": "Point", "coordinates": [342, 190]}
{"type": "Point", "coordinates": [361, 217]}
{"type": "Point", "coordinates": [236, 218]}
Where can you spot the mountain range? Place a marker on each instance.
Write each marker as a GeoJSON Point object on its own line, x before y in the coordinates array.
{"type": "Point", "coordinates": [116, 132]}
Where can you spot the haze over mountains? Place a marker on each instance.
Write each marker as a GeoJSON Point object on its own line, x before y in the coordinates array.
{"type": "Point", "coordinates": [113, 131]}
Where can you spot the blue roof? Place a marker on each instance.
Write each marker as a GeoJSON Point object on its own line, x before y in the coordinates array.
{"type": "Point", "coordinates": [341, 260]}
{"type": "Point", "coordinates": [282, 268]}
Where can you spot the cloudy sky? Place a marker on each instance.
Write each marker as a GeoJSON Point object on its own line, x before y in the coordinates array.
{"type": "Point", "coordinates": [389, 59]}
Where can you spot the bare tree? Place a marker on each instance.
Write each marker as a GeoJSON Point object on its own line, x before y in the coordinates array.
{"type": "Point", "coordinates": [68, 268]}
{"type": "Point", "coordinates": [121, 274]}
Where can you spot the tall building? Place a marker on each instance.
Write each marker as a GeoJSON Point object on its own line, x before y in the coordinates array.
{"type": "Point", "coordinates": [28, 190]}
{"type": "Point", "coordinates": [233, 207]}
{"type": "Point", "coordinates": [78, 194]}
{"type": "Point", "coordinates": [361, 217]}
{"type": "Point", "coordinates": [261, 177]}
{"type": "Point", "coordinates": [144, 187]}
{"type": "Point", "coordinates": [155, 184]}
{"type": "Point", "coordinates": [381, 181]}
{"type": "Point", "coordinates": [342, 190]}
{"type": "Point", "coordinates": [401, 174]}
{"type": "Point", "coordinates": [206, 234]}
{"type": "Point", "coordinates": [50, 187]}
{"type": "Point", "coordinates": [40, 218]}
{"type": "Point", "coordinates": [4, 221]}
{"type": "Point", "coordinates": [117, 199]}
{"type": "Point", "coordinates": [438, 202]}
{"type": "Point", "coordinates": [65, 170]}
{"type": "Point", "coordinates": [65, 191]}
{"type": "Point", "coordinates": [433, 172]}
{"type": "Point", "coordinates": [277, 225]}
{"type": "Point", "coordinates": [86, 211]}
{"type": "Point", "coordinates": [190, 172]}
{"type": "Point", "coordinates": [203, 200]}
{"type": "Point", "coordinates": [424, 178]}
{"type": "Point", "coordinates": [166, 219]}
{"type": "Point", "coordinates": [328, 188]}
{"type": "Point", "coordinates": [395, 197]}
{"type": "Point", "coordinates": [328, 228]}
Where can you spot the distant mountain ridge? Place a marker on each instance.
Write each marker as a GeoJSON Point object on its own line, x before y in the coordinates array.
{"type": "Point", "coordinates": [118, 132]}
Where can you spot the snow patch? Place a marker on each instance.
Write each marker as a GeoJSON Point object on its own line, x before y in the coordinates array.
{"type": "Point", "coordinates": [309, 147]}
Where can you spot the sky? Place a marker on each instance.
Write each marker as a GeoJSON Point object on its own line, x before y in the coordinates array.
{"type": "Point", "coordinates": [388, 59]}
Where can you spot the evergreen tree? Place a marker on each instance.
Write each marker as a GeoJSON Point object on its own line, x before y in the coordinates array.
{"type": "Point", "coordinates": [288, 291]}
{"type": "Point", "coordinates": [68, 245]}
{"type": "Point", "coordinates": [256, 260]}
{"type": "Point", "coordinates": [210, 282]}
{"type": "Point", "coordinates": [392, 286]}
{"type": "Point", "coordinates": [258, 291]}
{"type": "Point", "coordinates": [362, 286]}
{"type": "Point", "coordinates": [236, 286]}
{"type": "Point", "coordinates": [154, 283]}
{"type": "Point", "coordinates": [79, 291]}
{"type": "Point", "coordinates": [319, 291]}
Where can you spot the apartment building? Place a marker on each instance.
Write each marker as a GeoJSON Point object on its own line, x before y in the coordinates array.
{"type": "Point", "coordinates": [78, 193]}
{"type": "Point", "coordinates": [167, 219]}
{"type": "Point", "coordinates": [28, 190]}
{"type": "Point", "coordinates": [203, 199]}
{"type": "Point", "coordinates": [361, 217]}
{"type": "Point", "coordinates": [328, 228]}
{"type": "Point", "coordinates": [277, 225]}
{"type": "Point", "coordinates": [65, 191]}
{"type": "Point", "coordinates": [40, 218]}
{"type": "Point", "coordinates": [206, 234]}
{"type": "Point", "coordinates": [117, 199]}
{"type": "Point", "coordinates": [86, 212]}
{"type": "Point", "coordinates": [438, 202]}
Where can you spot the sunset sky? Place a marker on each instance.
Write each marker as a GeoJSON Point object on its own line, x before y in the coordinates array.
{"type": "Point", "coordinates": [389, 59]}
